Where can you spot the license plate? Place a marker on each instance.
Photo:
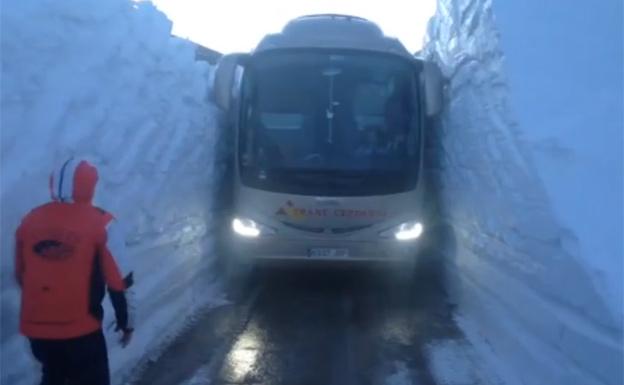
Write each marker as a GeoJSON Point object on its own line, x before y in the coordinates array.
{"type": "Point", "coordinates": [323, 252]}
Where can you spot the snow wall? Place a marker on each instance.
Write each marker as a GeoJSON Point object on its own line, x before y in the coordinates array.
{"type": "Point", "coordinates": [529, 165]}
{"type": "Point", "coordinates": [104, 79]}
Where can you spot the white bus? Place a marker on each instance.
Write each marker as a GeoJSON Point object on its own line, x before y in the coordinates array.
{"type": "Point", "coordinates": [329, 118]}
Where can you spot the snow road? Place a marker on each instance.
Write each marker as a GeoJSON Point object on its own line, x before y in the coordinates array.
{"type": "Point", "coordinates": [325, 326]}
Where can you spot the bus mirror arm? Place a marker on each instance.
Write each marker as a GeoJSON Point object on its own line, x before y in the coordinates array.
{"type": "Point", "coordinates": [224, 78]}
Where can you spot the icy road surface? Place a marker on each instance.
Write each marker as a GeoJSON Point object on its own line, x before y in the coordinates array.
{"type": "Point", "coordinates": [321, 327]}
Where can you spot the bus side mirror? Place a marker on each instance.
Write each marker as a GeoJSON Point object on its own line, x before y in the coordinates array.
{"type": "Point", "coordinates": [224, 78]}
{"type": "Point", "coordinates": [433, 85]}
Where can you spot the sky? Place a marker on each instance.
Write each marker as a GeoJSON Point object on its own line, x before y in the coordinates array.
{"type": "Point", "coordinates": [238, 25]}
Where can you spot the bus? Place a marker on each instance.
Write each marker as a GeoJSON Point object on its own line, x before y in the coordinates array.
{"type": "Point", "coordinates": [328, 119]}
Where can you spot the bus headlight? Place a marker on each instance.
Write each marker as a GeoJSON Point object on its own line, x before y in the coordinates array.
{"type": "Point", "coordinates": [407, 231]}
{"type": "Point", "coordinates": [249, 228]}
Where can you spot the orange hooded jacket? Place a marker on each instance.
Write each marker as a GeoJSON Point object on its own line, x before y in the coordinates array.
{"type": "Point", "coordinates": [63, 263]}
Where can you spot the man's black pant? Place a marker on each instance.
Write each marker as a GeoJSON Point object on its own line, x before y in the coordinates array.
{"type": "Point", "coordinates": [77, 361]}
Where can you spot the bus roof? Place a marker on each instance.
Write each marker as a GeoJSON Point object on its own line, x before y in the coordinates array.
{"type": "Point", "coordinates": [332, 31]}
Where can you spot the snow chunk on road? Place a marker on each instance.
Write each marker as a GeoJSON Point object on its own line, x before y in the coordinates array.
{"type": "Point", "coordinates": [402, 375]}
{"type": "Point", "coordinates": [454, 362]}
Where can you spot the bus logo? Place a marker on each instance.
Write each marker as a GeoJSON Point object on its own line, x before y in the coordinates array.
{"type": "Point", "coordinates": [291, 211]}
{"type": "Point", "coordinates": [298, 213]}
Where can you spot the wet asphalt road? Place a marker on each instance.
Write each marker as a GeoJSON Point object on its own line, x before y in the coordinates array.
{"type": "Point", "coordinates": [314, 326]}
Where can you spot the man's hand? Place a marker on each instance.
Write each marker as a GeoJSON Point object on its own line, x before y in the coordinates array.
{"type": "Point", "coordinates": [126, 337]}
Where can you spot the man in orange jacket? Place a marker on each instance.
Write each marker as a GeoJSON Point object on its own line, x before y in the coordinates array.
{"type": "Point", "coordinates": [64, 261]}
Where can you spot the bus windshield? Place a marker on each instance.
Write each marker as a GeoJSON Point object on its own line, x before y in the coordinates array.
{"type": "Point", "coordinates": [319, 123]}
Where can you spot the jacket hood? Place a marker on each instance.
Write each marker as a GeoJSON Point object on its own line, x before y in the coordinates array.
{"type": "Point", "coordinates": [74, 181]}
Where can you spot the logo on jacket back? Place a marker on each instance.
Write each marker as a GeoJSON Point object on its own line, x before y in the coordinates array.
{"type": "Point", "coordinates": [53, 250]}
{"type": "Point", "coordinates": [55, 244]}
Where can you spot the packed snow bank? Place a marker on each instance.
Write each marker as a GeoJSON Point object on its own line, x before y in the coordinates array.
{"type": "Point", "coordinates": [531, 178]}
{"type": "Point", "coordinates": [105, 79]}
{"type": "Point", "coordinates": [567, 94]}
